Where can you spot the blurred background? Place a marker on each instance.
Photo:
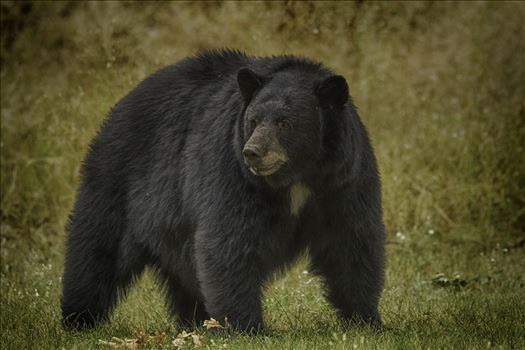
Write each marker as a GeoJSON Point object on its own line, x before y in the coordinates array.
{"type": "Point", "coordinates": [440, 86]}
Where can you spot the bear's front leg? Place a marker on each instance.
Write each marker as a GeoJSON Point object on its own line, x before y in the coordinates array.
{"type": "Point", "coordinates": [231, 276]}
{"type": "Point", "coordinates": [351, 256]}
{"type": "Point", "coordinates": [353, 282]}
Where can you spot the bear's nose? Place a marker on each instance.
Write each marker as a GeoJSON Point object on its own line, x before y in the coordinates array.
{"type": "Point", "coordinates": [251, 153]}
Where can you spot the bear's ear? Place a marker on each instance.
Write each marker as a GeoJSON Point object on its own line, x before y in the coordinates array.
{"type": "Point", "coordinates": [333, 91]}
{"type": "Point", "coordinates": [248, 82]}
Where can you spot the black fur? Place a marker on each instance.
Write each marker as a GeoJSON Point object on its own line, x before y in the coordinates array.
{"type": "Point", "coordinates": [164, 185]}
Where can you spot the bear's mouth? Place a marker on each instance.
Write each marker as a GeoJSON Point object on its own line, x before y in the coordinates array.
{"type": "Point", "coordinates": [265, 170]}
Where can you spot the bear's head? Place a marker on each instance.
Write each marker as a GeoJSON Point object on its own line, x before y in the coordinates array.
{"type": "Point", "coordinates": [285, 119]}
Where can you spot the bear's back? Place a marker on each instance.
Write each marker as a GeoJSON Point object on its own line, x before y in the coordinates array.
{"type": "Point", "coordinates": [166, 102]}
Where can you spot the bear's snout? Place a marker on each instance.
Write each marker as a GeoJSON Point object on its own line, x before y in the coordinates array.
{"type": "Point", "coordinates": [252, 154]}
{"type": "Point", "coordinates": [263, 154]}
{"type": "Point", "coordinates": [263, 165]}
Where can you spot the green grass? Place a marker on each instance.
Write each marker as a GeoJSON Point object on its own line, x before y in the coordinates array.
{"type": "Point", "coordinates": [440, 87]}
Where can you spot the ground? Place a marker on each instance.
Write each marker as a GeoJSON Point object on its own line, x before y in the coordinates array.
{"type": "Point", "coordinates": [440, 87]}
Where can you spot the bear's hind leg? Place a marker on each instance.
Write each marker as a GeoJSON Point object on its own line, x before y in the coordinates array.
{"type": "Point", "coordinates": [97, 269]}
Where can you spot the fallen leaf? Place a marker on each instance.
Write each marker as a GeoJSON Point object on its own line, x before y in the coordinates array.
{"type": "Point", "coordinates": [107, 343]}
{"type": "Point", "coordinates": [212, 323]}
{"type": "Point", "coordinates": [119, 343]}
{"type": "Point", "coordinates": [158, 337]}
{"type": "Point", "coordinates": [178, 342]}
{"type": "Point", "coordinates": [440, 280]}
{"type": "Point", "coordinates": [139, 338]}
{"type": "Point", "coordinates": [181, 338]}
{"type": "Point", "coordinates": [197, 339]}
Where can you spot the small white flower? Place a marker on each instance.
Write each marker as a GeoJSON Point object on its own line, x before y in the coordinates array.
{"type": "Point", "coordinates": [400, 236]}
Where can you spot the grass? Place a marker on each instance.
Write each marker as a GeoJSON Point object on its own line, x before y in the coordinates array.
{"type": "Point", "coordinates": [440, 87]}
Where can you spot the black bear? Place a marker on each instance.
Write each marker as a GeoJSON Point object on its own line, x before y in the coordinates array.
{"type": "Point", "coordinates": [216, 172]}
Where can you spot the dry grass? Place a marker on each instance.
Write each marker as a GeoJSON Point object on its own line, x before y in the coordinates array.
{"type": "Point", "coordinates": [440, 85]}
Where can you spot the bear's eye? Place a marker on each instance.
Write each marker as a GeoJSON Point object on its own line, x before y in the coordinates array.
{"type": "Point", "coordinates": [253, 122]}
{"type": "Point", "coordinates": [283, 124]}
